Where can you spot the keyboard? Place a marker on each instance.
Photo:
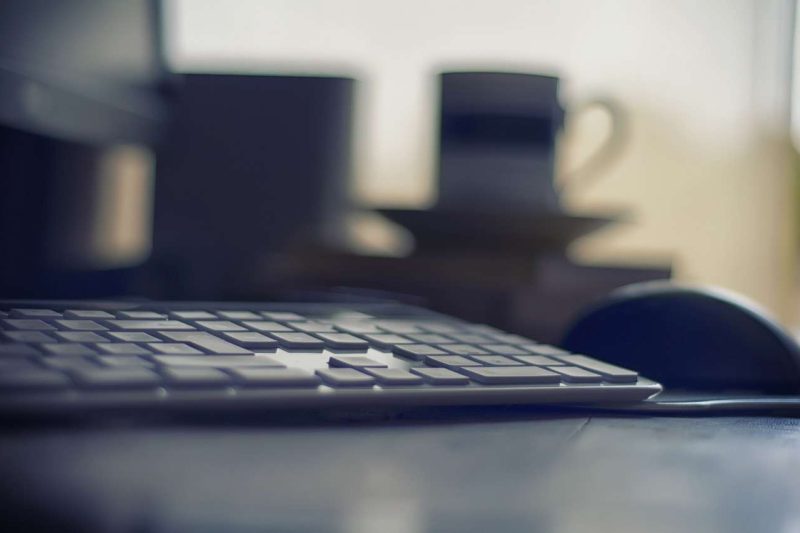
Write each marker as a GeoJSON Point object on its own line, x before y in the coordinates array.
{"type": "Point", "coordinates": [73, 357]}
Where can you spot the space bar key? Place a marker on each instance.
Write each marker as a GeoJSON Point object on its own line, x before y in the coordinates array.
{"type": "Point", "coordinates": [206, 342]}
{"type": "Point", "coordinates": [225, 361]}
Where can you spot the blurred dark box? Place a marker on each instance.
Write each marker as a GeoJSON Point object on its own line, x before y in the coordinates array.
{"type": "Point", "coordinates": [498, 135]}
{"type": "Point", "coordinates": [250, 164]}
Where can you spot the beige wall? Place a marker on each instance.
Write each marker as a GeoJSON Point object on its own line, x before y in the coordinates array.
{"type": "Point", "coordinates": [705, 175]}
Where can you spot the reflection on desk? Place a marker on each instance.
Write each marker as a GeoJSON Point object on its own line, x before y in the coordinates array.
{"type": "Point", "coordinates": [529, 472]}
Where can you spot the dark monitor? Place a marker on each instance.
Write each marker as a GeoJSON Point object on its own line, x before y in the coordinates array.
{"type": "Point", "coordinates": [81, 70]}
{"type": "Point", "coordinates": [78, 78]}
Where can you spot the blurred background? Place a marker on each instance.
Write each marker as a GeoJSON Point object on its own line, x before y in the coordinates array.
{"type": "Point", "coordinates": [299, 145]}
{"type": "Point", "coordinates": [708, 170]}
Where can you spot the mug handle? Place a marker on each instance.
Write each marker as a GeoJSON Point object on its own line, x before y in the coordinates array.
{"type": "Point", "coordinates": [608, 152]}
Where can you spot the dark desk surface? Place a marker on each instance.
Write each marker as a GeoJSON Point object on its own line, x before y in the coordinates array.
{"type": "Point", "coordinates": [541, 472]}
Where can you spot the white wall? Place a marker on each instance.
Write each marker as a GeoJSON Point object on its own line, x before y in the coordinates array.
{"type": "Point", "coordinates": [705, 175]}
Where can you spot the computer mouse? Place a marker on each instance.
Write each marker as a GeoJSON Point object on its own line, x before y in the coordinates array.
{"type": "Point", "coordinates": [690, 338]}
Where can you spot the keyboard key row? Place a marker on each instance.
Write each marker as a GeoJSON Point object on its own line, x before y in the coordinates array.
{"type": "Point", "coordinates": [503, 370]}
{"type": "Point", "coordinates": [114, 376]}
{"type": "Point", "coordinates": [570, 368]}
{"type": "Point", "coordinates": [228, 361]}
{"type": "Point", "coordinates": [152, 315]}
{"type": "Point", "coordinates": [77, 332]}
{"type": "Point", "coordinates": [79, 361]}
{"type": "Point", "coordinates": [148, 323]}
{"type": "Point", "coordinates": [417, 352]}
{"type": "Point", "coordinates": [118, 348]}
{"type": "Point", "coordinates": [346, 322]}
{"type": "Point", "coordinates": [76, 336]}
{"type": "Point", "coordinates": [195, 377]}
{"type": "Point", "coordinates": [200, 343]}
{"type": "Point", "coordinates": [239, 321]}
{"type": "Point", "coordinates": [126, 378]}
{"type": "Point", "coordinates": [244, 341]}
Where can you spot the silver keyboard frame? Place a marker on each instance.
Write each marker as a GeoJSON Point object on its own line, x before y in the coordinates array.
{"type": "Point", "coordinates": [321, 397]}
